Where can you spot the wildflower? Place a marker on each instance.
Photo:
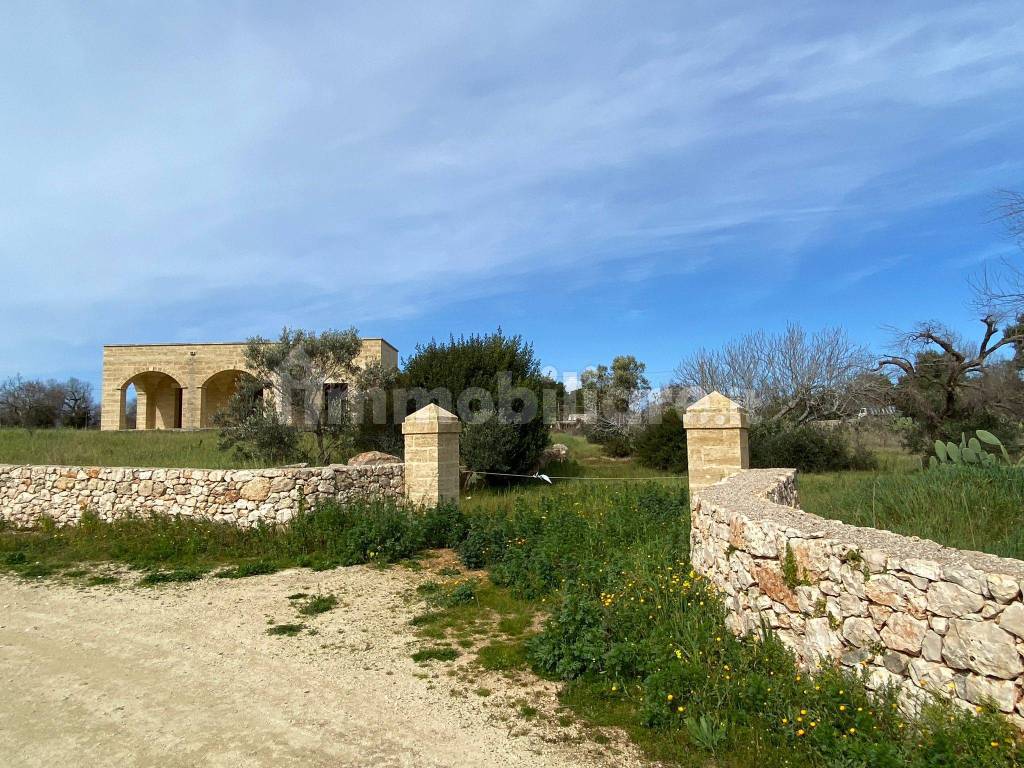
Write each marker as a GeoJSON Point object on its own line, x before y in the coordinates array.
{"type": "Point", "coordinates": [670, 697]}
{"type": "Point", "coordinates": [800, 732]}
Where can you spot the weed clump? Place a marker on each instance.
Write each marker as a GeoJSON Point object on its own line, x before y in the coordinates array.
{"type": "Point", "coordinates": [437, 653]}
{"type": "Point", "coordinates": [318, 604]}
{"type": "Point", "coordinates": [175, 576]}
{"type": "Point", "coordinates": [286, 630]}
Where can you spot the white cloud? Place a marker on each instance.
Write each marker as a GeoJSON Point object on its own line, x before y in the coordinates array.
{"type": "Point", "coordinates": [246, 170]}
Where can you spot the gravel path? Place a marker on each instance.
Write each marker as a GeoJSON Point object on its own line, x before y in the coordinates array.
{"type": "Point", "coordinates": [186, 675]}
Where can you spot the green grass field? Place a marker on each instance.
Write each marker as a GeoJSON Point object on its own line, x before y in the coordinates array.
{"type": "Point", "coordinates": [967, 508]}
{"type": "Point", "coordinates": [157, 448]}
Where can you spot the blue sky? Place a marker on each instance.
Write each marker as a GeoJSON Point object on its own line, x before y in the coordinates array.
{"type": "Point", "coordinates": [602, 178]}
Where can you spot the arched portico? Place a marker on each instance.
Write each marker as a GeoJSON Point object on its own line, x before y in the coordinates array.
{"type": "Point", "coordinates": [197, 372]}
{"type": "Point", "coordinates": [158, 398]}
{"type": "Point", "coordinates": [217, 392]}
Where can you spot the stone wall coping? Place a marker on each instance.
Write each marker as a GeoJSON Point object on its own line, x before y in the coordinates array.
{"type": "Point", "coordinates": [747, 494]}
{"type": "Point", "coordinates": [262, 471]}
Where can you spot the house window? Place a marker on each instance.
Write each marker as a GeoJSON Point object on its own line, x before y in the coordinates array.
{"type": "Point", "coordinates": [335, 402]}
{"type": "Point", "coordinates": [298, 407]}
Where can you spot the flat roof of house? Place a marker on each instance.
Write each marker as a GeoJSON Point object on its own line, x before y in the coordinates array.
{"type": "Point", "coordinates": [224, 343]}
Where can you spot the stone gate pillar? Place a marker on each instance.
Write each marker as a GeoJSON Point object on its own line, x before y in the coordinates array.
{"type": "Point", "coordinates": [716, 440]}
{"type": "Point", "coordinates": [431, 456]}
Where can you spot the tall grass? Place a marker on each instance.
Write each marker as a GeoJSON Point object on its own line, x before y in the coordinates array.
{"type": "Point", "coordinates": [979, 508]}
{"type": "Point", "coordinates": [327, 536]}
{"type": "Point", "coordinates": [156, 448]}
{"type": "Point", "coordinates": [130, 448]}
{"type": "Point", "coordinates": [641, 641]}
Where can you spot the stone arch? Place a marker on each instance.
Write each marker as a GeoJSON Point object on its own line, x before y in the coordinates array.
{"type": "Point", "coordinates": [159, 400]}
{"type": "Point", "coordinates": [217, 391]}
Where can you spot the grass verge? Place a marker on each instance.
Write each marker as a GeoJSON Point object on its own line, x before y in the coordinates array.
{"type": "Point", "coordinates": [964, 507]}
{"type": "Point", "coordinates": [329, 536]}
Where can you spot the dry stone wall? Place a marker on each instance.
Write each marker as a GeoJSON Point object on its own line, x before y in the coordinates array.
{"type": "Point", "coordinates": [241, 497]}
{"type": "Point", "coordinates": [908, 610]}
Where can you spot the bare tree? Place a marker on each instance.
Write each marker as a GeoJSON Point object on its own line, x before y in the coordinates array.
{"type": "Point", "coordinates": [77, 406]}
{"type": "Point", "coordinates": [999, 291]}
{"type": "Point", "coordinates": [938, 366]}
{"type": "Point", "coordinates": [34, 403]}
{"type": "Point", "coordinates": [792, 375]}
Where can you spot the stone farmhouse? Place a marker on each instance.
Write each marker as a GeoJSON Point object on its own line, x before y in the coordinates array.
{"type": "Point", "coordinates": [182, 386]}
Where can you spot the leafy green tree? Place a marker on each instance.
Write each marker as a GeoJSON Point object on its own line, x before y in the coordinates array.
{"type": "Point", "coordinates": [617, 388]}
{"type": "Point", "coordinates": [494, 383]}
{"type": "Point", "coordinates": [252, 427]}
{"type": "Point", "coordinates": [661, 444]}
{"type": "Point", "coordinates": [377, 426]}
{"type": "Point", "coordinates": [300, 380]}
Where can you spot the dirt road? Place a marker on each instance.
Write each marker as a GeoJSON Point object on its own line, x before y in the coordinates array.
{"type": "Point", "coordinates": [187, 675]}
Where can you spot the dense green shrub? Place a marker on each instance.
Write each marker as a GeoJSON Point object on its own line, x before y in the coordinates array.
{"type": "Point", "coordinates": [618, 446]}
{"type": "Point", "coordinates": [444, 526]}
{"type": "Point", "coordinates": [615, 439]}
{"type": "Point", "coordinates": [491, 363]}
{"type": "Point", "coordinates": [808, 447]}
{"type": "Point", "coordinates": [662, 444]}
{"type": "Point", "coordinates": [495, 446]}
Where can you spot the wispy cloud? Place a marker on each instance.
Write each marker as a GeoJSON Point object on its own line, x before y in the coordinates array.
{"type": "Point", "coordinates": [221, 172]}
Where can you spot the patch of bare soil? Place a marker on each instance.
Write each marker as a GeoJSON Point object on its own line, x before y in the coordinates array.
{"type": "Point", "coordinates": [187, 675]}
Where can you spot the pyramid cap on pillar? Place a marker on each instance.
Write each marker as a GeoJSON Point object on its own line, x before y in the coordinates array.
{"type": "Point", "coordinates": [716, 411]}
{"type": "Point", "coordinates": [430, 419]}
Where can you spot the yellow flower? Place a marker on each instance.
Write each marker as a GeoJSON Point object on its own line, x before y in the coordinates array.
{"type": "Point", "coordinates": [800, 732]}
{"type": "Point", "coordinates": [670, 697]}
{"type": "Point", "coordinates": [842, 707]}
{"type": "Point", "coordinates": [853, 730]}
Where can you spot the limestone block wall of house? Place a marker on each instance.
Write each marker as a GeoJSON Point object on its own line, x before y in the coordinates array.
{"type": "Point", "coordinates": [182, 386]}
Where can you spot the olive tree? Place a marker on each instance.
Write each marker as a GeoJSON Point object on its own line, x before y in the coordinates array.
{"type": "Point", "coordinates": [299, 385]}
